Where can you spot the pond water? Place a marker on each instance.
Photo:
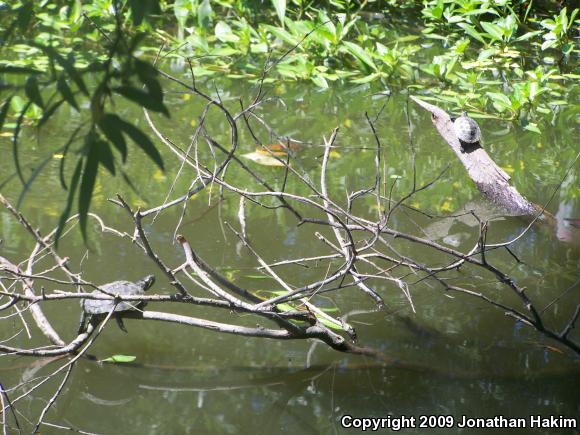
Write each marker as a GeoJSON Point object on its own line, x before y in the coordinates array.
{"type": "Point", "coordinates": [455, 355]}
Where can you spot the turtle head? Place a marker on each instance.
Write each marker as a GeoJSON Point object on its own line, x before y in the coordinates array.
{"type": "Point", "coordinates": [147, 282]}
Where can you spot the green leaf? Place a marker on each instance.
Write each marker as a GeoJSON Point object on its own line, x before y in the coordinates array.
{"type": "Point", "coordinates": [470, 30]}
{"type": "Point", "coordinates": [88, 179]}
{"type": "Point", "coordinates": [533, 127]}
{"type": "Point", "coordinates": [120, 359]}
{"type": "Point", "coordinates": [49, 112]}
{"type": "Point", "coordinates": [367, 79]}
{"type": "Point", "coordinates": [4, 111]}
{"type": "Point", "coordinates": [148, 76]}
{"type": "Point", "coordinates": [320, 82]}
{"type": "Point", "coordinates": [67, 64]}
{"type": "Point", "coordinates": [65, 149]}
{"type": "Point", "coordinates": [111, 125]}
{"type": "Point", "coordinates": [71, 194]}
{"type": "Point", "coordinates": [32, 91]}
{"type": "Point", "coordinates": [106, 157]}
{"type": "Point", "coordinates": [15, 140]}
{"type": "Point", "coordinates": [66, 92]}
{"type": "Point", "coordinates": [140, 9]}
{"type": "Point", "coordinates": [282, 34]}
{"type": "Point", "coordinates": [361, 54]}
{"type": "Point", "coordinates": [31, 179]}
{"type": "Point", "coordinates": [224, 33]}
{"type": "Point", "coordinates": [204, 13]}
{"type": "Point", "coordinates": [142, 98]}
{"type": "Point", "coordinates": [492, 29]}
{"type": "Point", "coordinates": [280, 6]}
{"type": "Point", "coordinates": [548, 44]}
{"type": "Point", "coordinates": [529, 35]}
{"type": "Point", "coordinates": [142, 142]}
{"type": "Point", "coordinates": [12, 69]}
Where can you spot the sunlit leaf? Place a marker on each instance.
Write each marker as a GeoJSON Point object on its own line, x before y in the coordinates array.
{"type": "Point", "coordinates": [492, 29]}
{"type": "Point", "coordinates": [320, 82]}
{"type": "Point", "coordinates": [120, 359]}
{"type": "Point", "coordinates": [361, 54]}
{"type": "Point", "coordinates": [204, 14]}
{"type": "Point", "coordinates": [280, 6]}
{"type": "Point", "coordinates": [533, 127]}
{"type": "Point", "coordinates": [224, 32]}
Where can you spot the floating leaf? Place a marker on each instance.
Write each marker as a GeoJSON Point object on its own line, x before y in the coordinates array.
{"type": "Point", "coordinates": [120, 359]}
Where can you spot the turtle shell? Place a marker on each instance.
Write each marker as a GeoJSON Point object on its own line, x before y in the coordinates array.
{"type": "Point", "coordinates": [121, 288]}
{"type": "Point", "coordinates": [466, 129]}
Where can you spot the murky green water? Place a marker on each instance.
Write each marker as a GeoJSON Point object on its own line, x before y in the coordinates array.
{"type": "Point", "coordinates": [455, 355]}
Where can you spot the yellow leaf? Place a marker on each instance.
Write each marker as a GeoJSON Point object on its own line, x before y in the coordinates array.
{"type": "Point", "coordinates": [347, 123]}
{"type": "Point", "coordinates": [446, 206]}
{"type": "Point", "coordinates": [58, 156]}
{"type": "Point", "coordinates": [159, 176]}
{"type": "Point", "coordinates": [509, 169]}
{"type": "Point", "coordinates": [334, 154]}
{"type": "Point", "coordinates": [186, 97]}
{"type": "Point", "coordinates": [193, 122]}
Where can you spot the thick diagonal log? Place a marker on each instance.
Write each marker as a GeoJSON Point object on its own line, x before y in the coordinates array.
{"type": "Point", "coordinates": [490, 179]}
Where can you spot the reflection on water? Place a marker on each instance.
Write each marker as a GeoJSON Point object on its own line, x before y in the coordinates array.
{"type": "Point", "coordinates": [454, 356]}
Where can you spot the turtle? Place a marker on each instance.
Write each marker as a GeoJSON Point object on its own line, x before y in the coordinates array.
{"type": "Point", "coordinates": [97, 309]}
{"type": "Point", "coordinates": [466, 129]}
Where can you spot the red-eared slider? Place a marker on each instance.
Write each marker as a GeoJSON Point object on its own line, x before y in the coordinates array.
{"type": "Point", "coordinates": [466, 129]}
{"type": "Point", "coordinates": [97, 309]}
